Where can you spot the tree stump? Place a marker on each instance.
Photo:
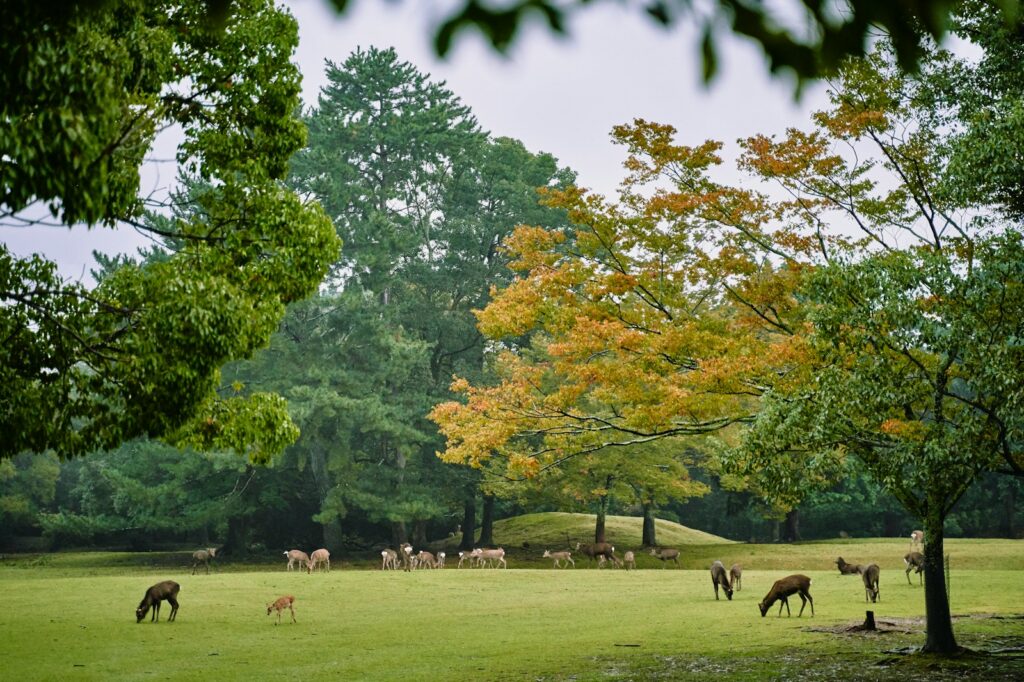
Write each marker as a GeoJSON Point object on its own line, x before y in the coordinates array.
{"type": "Point", "coordinates": [869, 621]}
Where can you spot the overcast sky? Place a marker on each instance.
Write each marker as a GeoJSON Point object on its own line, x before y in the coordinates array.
{"type": "Point", "coordinates": [560, 96]}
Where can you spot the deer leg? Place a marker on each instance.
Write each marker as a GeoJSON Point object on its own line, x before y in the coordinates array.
{"type": "Point", "coordinates": [292, 609]}
{"type": "Point", "coordinates": [156, 612]}
{"type": "Point", "coordinates": [174, 608]}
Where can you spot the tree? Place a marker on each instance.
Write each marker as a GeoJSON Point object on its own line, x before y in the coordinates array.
{"type": "Point", "coordinates": [140, 352]}
{"type": "Point", "coordinates": [868, 313]}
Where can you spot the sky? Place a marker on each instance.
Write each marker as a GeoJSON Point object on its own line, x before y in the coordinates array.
{"type": "Point", "coordinates": [556, 95]}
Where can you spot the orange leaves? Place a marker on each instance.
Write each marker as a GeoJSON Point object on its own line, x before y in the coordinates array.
{"type": "Point", "coordinates": [903, 430]}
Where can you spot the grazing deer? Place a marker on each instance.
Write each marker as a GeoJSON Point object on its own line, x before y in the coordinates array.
{"type": "Point", "coordinates": [720, 577]}
{"type": "Point", "coordinates": [848, 569]}
{"type": "Point", "coordinates": [916, 539]}
{"type": "Point", "coordinates": [440, 560]}
{"type": "Point", "coordinates": [629, 560]}
{"type": "Point", "coordinates": [736, 577]}
{"type": "Point", "coordinates": [665, 555]}
{"type": "Point", "coordinates": [280, 605]}
{"type": "Point", "coordinates": [168, 590]}
{"type": "Point", "coordinates": [296, 556]}
{"type": "Point", "coordinates": [203, 556]}
{"type": "Point", "coordinates": [915, 562]}
{"type": "Point", "coordinates": [781, 591]}
{"type": "Point", "coordinates": [467, 556]}
{"type": "Point", "coordinates": [870, 577]}
{"type": "Point", "coordinates": [389, 559]}
{"type": "Point", "coordinates": [564, 557]}
{"type": "Point", "coordinates": [320, 556]}
{"type": "Point", "coordinates": [598, 549]}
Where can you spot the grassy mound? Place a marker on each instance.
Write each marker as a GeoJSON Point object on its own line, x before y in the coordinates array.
{"type": "Point", "coordinates": [557, 530]}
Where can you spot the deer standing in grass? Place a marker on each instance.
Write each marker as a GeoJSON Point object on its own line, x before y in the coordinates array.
{"type": "Point", "coordinates": [736, 577]}
{"type": "Point", "coordinates": [870, 577]}
{"type": "Point", "coordinates": [167, 590]}
{"type": "Point", "coordinates": [914, 561]}
{"type": "Point", "coordinates": [783, 589]}
{"type": "Point", "coordinates": [320, 556]}
{"type": "Point", "coordinates": [296, 556]}
{"type": "Point", "coordinates": [629, 560]}
{"type": "Point", "coordinates": [203, 556]}
{"type": "Point", "coordinates": [720, 577]}
{"type": "Point", "coordinates": [389, 559]}
{"type": "Point", "coordinates": [666, 555]}
{"type": "Point", "coordinates": [916, 539]}
{"type": "Point", "coordinates": [280, 605]}
{"type": "Point", "coordinates": [564, 557]}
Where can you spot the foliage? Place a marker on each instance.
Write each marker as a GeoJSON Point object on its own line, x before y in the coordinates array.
{"type": "Point", "coordinates": [27, 485]}
{"type": "Point", "coordinates": [140, 352]}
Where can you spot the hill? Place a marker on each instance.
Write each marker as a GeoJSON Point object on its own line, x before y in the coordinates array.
{"type": "Point", "coordinates": [559, 529]}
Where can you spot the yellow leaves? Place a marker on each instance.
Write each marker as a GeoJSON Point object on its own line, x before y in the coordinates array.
{"type": "Point", "coordinates": [904, 430]}
{"type": "Point", "coordinates": [796, 155]}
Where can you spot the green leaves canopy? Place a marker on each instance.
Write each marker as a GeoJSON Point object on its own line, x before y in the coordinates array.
{"type": "Point", "coordinates": [139, 354]}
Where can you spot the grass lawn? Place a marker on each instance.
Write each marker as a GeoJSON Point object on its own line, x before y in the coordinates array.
{"type": "Point", "coordinates": [71, 616]}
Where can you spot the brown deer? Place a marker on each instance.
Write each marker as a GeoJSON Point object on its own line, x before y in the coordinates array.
{"type": "Point", "coordinates": [783, 589]}
{"type": "Point", "coordinates": [296, 556]}
{"type": "Point", "coordinates": [598, 549]}
{"type": "Point", "coordinates": [319, 556]}
{"type": "Point", "coordinates": [914, 562]}
{"type": "Point", "coordinates": [916, 539]}
{"type": "Point", "coordinates": [666, 555]}
{"type": "Point", "coordinates": [848, 569]}
{"type": "Point", "coordinates": [203, 556]}
{"type": "Point", "coordinates": [736, 577]}
{"type": "Point", "coordinates": [720, 577]}
{"type": "Point", "coordinates": [870, 578]}
{"type": "Point", "coordinates": [280, 605]}
{"type": "Point", "coordinates": [168, 590]}
{"type": "Point", "coordinates": [564, 557]}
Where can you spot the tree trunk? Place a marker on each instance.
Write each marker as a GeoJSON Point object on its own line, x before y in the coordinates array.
{"type": "Point", "coordinates": [487, 522]}
{"type": "Point", "coordinates": [649, 532]}
{"type": "Point", "coordinates": [791, 531]}
{"type": "Point", "coordinates": [1011, 509]}
{"type": "Point", "coordinates": [333, 537]}
{"type": "Point", "coordinates": [237, 543]}
{"type": "Point", "coordinates": [602, 513]}
{"type": "Point", "coordinates": [331, 529]}
{"type": "Point", "coordinates": [419, 533]}
{"type": "Point", "coordinates": [939, 639]}
{"type": "Point", "coordinates": [398, 533]}
{"type": "Point", "coordinates": [468, 523]}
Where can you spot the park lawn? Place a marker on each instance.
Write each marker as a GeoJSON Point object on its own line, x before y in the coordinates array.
{"type": "Point", "coordinates": [475, 624]}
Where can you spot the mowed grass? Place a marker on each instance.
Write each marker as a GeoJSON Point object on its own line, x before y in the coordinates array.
{"type": "Point", "coordinates": [478, 624]}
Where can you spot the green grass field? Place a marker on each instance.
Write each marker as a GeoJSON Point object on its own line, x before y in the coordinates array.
{"type": "Point", "coordinates": [71, 616]}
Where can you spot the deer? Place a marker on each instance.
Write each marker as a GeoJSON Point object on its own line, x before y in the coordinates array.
{"type": "Point", "coordinates": [783, 589]}
{"type": "Point", "coordinates": [665, 555]}
{"type": "Point", "coordinates": [564, 557]}
{"type": "Point", "coordinates": [405, 551]}
{"type": "Point", "coordinates": [495, 555]}
{"type": "Point", "coordinates": [916, 539]}
{"type": "Point", "coordinates": [598, 549]}
{"type": "Point", "coordinates": [282, 603]}
{"type": "Point", "coordinates": [168, 590]}
{"type": "Point", "coordinates": [914, 562]}
{"type": "Point", "coordinates": [440, 560]}
{"type": "Point", "coordinates": [467, 556]}
{"type": "Point", "coordinates": [389, 559]}
{"type": "Point", "coordinates": [425, 559]}
{"type": "Point", "coordinates": [203, 556]}
{"type": "Point", "coordinates": [319, 556]}
{"type": "Point", "coordinates": [296, 556]}
{"type": "Point", "coordinates": [848, 569]}
{"type": "Point", "coordinates": [736, 577]}
{"type": "Point", "coordinates": [629, 560]}
{"type": "Point", "coordinates": [720, 577]}
{"type": "Point", "coordinates": [870, 577]}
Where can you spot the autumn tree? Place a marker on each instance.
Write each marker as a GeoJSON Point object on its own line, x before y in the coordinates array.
{"type": "Point", "coordinates": [85, 93]}
{"type": "Point", "coordinates": [865, 310]}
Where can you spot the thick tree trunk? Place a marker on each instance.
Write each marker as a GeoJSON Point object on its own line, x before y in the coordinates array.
{"type": "Point", "coordinates": [237, 543]}
{"type": "Point", "coordinates": [419, 533]}
{"type": "Point", "coordinates": [398, 533]}
{"type": "Point", "coordinates": [939, 639]}
{"type": "Point", "coordinates": [602, 513]}
{"type": "Point", "coordinates": [333, 537]}
{"type": "Point", "coordinates": [332, 534]}
{"type": "Point", "coordinates": [487, 522]}
{"type": "Point", "coordinates": [468, 523]}
{"type": "Point", "coordinates": [649, 531]}
{"type": "Point", "coordinates": [1011, 510]}
{"type": "Point", "coordinates": [791, 529]}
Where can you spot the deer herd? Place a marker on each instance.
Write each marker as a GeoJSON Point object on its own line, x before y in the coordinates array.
{"type": "Point", "coordinates": [604, 553]}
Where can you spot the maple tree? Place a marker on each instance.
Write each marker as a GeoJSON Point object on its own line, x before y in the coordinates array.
{"type": "Point", "coordinates": [848, 302]}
